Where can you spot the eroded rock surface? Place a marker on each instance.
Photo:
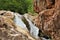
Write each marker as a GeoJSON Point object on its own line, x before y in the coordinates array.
{"type": "Point", "coordinates": [49, 18]}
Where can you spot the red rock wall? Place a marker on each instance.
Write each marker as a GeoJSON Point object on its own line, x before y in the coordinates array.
{"type": "Point", "coordinates": [40, 5]}
{"type": "Point", "coordinates": [49, 16]}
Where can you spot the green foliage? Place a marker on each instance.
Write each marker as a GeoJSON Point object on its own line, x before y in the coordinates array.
{"type": "Point", "coordinates": [30, 8]}
{"type": "Point", "coordinates": [21, 6]}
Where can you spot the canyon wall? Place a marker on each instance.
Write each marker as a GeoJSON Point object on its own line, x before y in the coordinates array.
{"type": "Point", "coordinates": [48, 18]}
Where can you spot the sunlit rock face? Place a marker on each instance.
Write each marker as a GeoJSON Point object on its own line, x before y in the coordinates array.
{"type": "Point", "coordinates": [8, 14]}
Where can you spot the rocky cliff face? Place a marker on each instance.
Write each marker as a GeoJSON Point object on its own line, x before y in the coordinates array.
{"type": "Point", "coordinates": [49, 18]}
{"type": "Point", "coordinates": [40, 5]}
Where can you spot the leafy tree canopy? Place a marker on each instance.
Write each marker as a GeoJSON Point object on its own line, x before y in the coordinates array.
{"type": "Point", "coordinates": [21, 6]}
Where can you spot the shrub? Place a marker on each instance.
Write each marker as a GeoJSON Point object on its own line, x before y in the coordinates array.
{"type": "Point", "coordinates": [21, 6]}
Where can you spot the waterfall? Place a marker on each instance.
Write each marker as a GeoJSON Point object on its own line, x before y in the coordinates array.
{"type": "Point", "coordinates": [33, 29]}
{"type": "Point", "coordinates": [19, 22]}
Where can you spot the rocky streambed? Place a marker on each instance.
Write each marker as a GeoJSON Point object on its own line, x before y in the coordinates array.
{"type": "Point", "coordinates": [14, 26]}
{"type": "Point", "coordinates": [45, 26]}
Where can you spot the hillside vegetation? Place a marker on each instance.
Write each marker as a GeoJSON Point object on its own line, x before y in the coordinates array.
{"type": "Point", "coordinates": [20, 6]}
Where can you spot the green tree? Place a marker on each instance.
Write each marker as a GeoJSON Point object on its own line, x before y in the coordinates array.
{"type": "Point", "coordinates": [21, 6]}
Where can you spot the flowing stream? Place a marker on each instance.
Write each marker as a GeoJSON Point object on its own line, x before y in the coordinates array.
{"type": "Point", "coordinates": [19, 21]}
{"type": "Point", "coordinates": [33, 29]}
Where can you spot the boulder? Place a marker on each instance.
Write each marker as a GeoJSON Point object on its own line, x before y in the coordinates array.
{"type": "Point", "coordinates": [8, 14]}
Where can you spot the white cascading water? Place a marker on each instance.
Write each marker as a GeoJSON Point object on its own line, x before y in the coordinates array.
{"type": "Point", "coordinates": [19, 21]}
{"type": "Point", "coordinates": [33, 29]}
